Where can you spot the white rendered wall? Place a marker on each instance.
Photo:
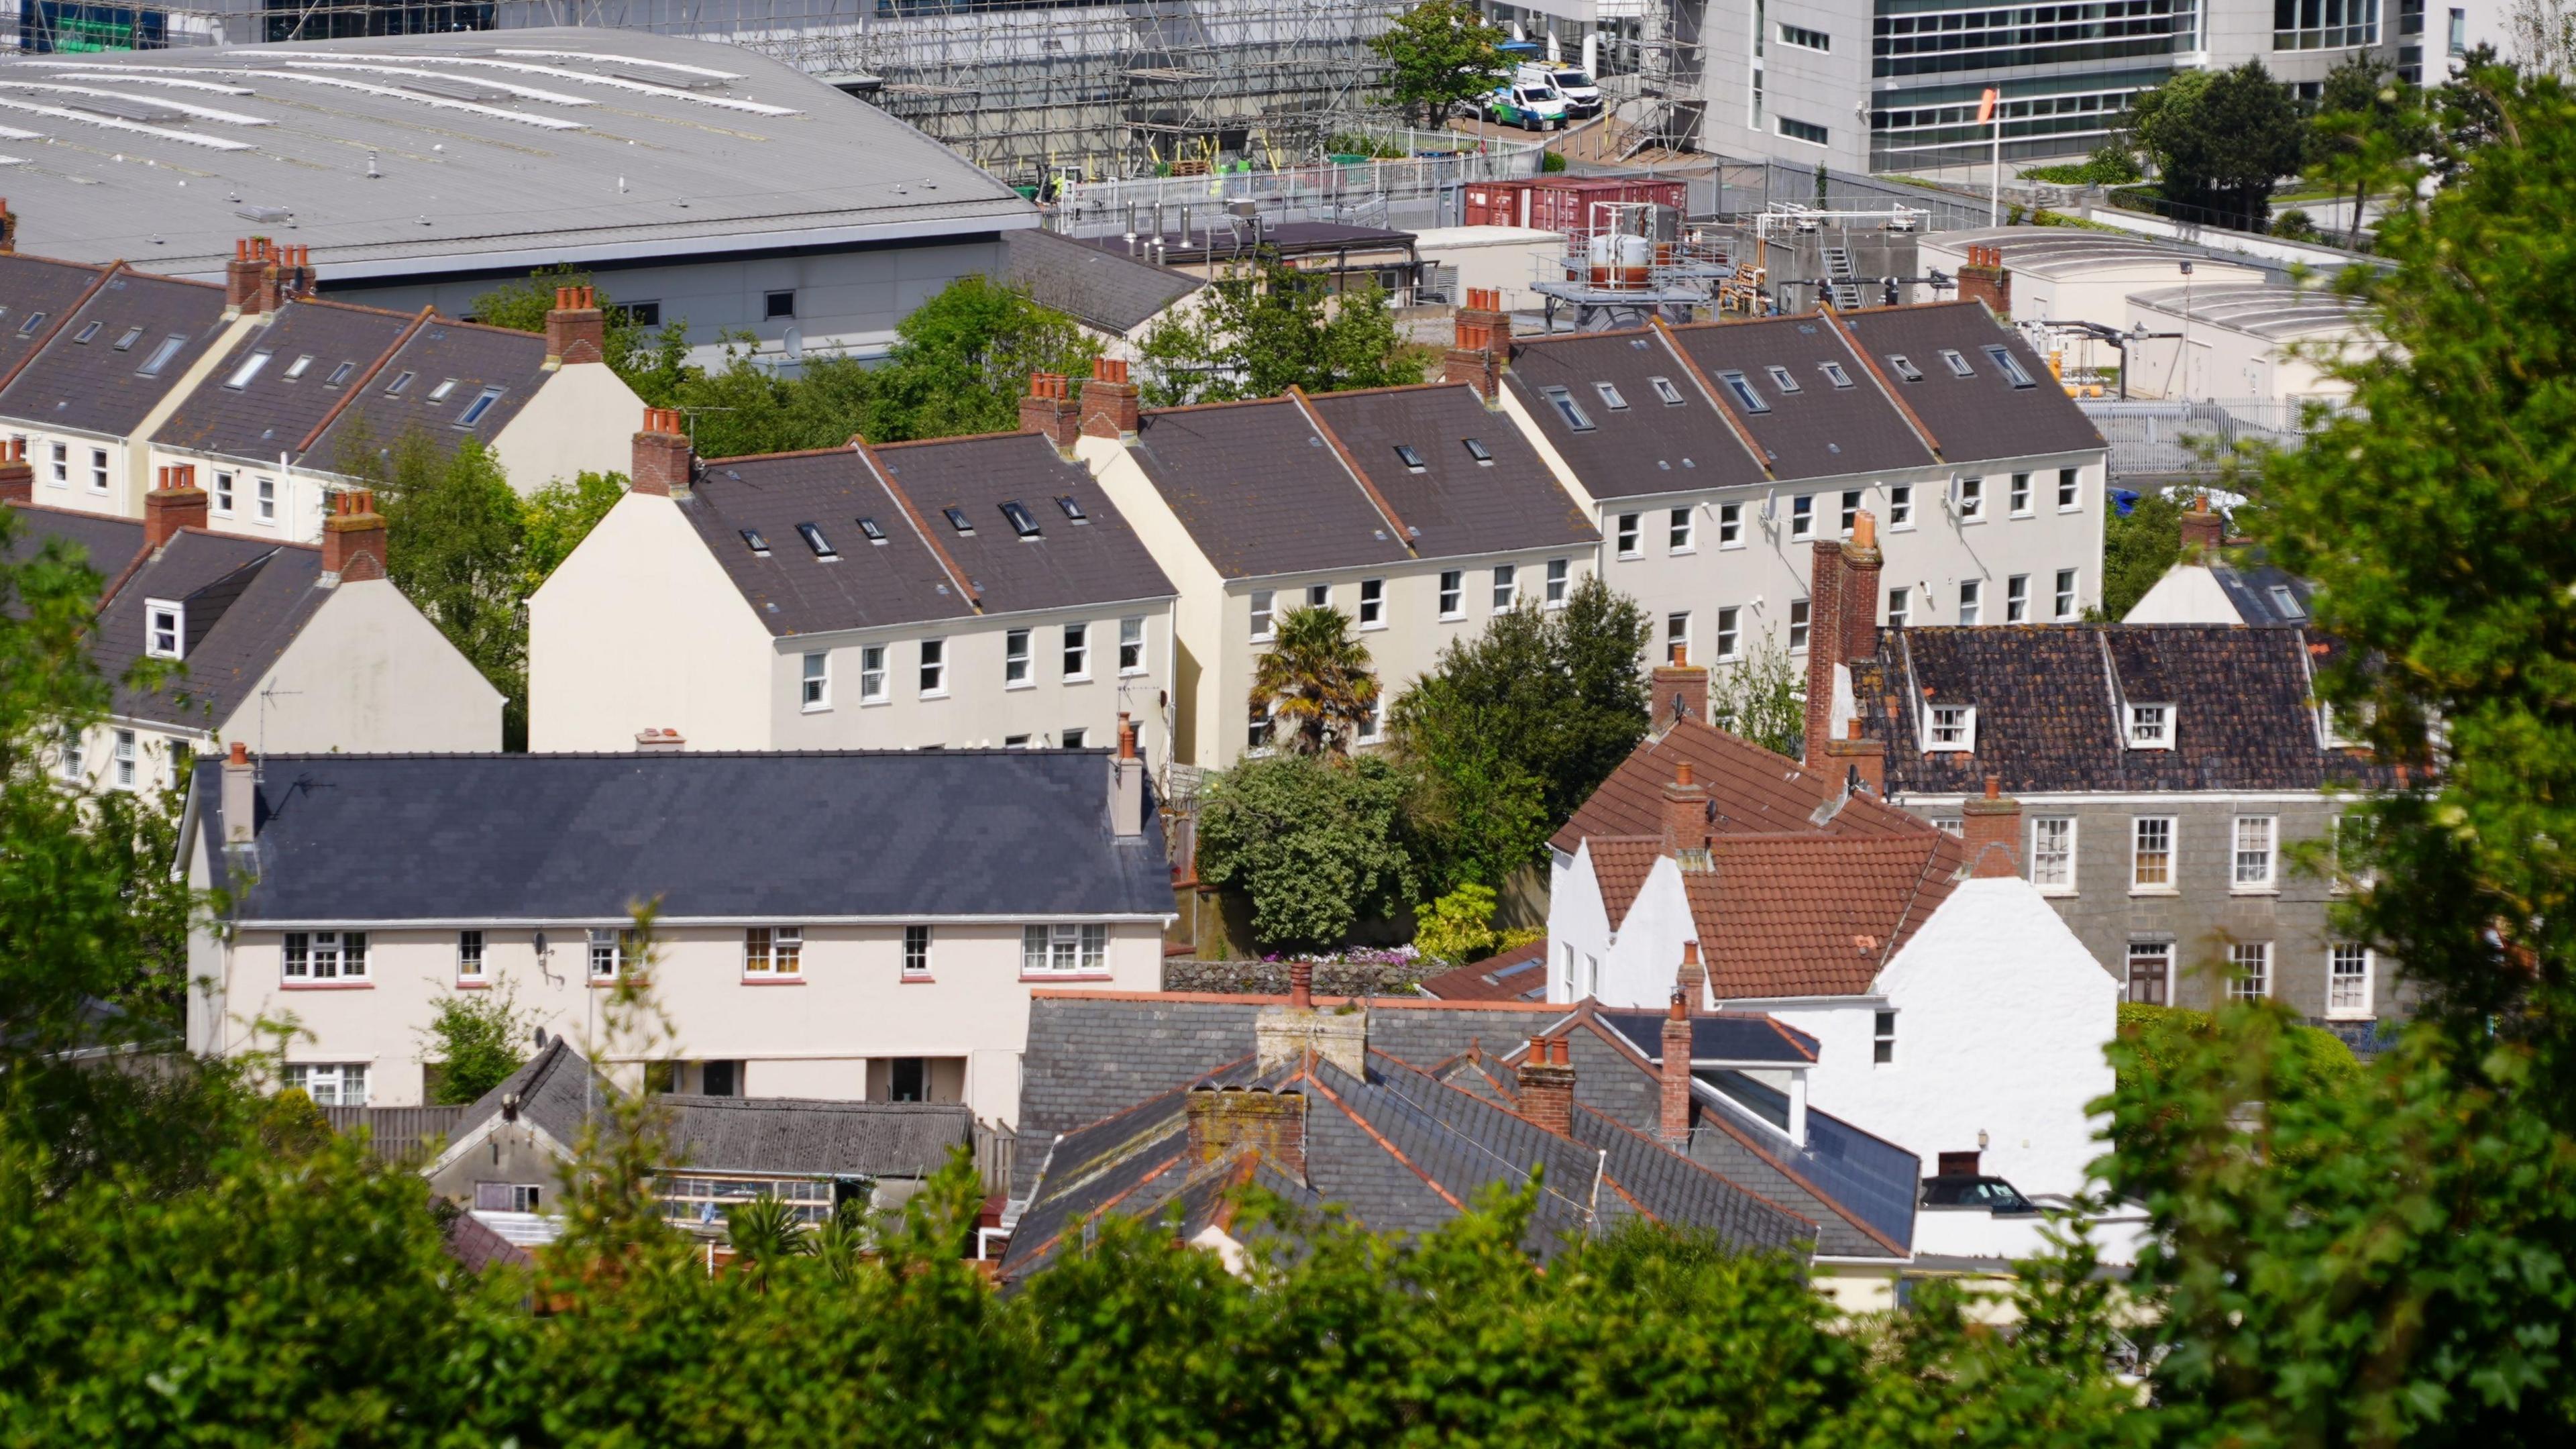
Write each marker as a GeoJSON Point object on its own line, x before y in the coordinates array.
{"type": "Point", "coordinates": [582, 420]}
{"type": "Point", "coordinates": [2187, 594]}
{"type": "Point", "coordinates": [369, 674]}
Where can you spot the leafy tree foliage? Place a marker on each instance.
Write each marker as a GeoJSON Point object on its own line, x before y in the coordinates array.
{"type": "Point", "coordinates": [2367, 121]}
{"type": "Point", "coordinates": [1438, 53]}
{"type": "Point", "coordinates": [1268, 327]}
{"type": "Point", "coordinates": [2220, 140]}
{"type": "Point", "coordinates": [651, 363]}
{"type": "Point", "coordinates": [1762, 699]}
{"type": "Point", "coordinates": [1315, 683]}
{"type": "Point", "coordinates": [2138, 548]}
{"type": "Point", "coordinates": [474, 1042]}
{"type": "Point", "coordinates": [1316, 844]}
{"type": "Point", "coordinates": [454, 535]}
{"type": "Point", "coordinates": [962, 360]}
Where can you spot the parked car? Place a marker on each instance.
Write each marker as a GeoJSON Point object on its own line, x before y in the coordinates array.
{"type": "Point", "coordinates": [1530, 107]}
{"type": "Point", "coordinates": [1983, 1194]}
{"type": "Point", "coordinates": [1582, 93]}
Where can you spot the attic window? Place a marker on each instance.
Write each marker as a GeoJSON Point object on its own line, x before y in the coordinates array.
{"type": "Point", "coordinates": [1411, 457]}
{"type": "Point", "coordinates": [88, 331]}
{"type": "Point", "coordinates": [165, 628]}
{"type": "Point", "coordinates": [298, 366]}
{"type": "Point", "coordinates": [2287, 602]}
{"type": "Point", "coordinates": [1958, 365]}
{"type": "Point", "coordinates": [2011, 366]}
{"type": "Point", "coordinates": [34, 321]}
{"type": "Point", "coordinates": [874, 534]}
{"type": "Point", "coordinates": [1905, 367]}
{"type": "Point", "coordinates": [1477, 450]}
{"type": "Point", "coordinates": [1610, 397]}
{"type": "Point", "coordinates": [132, 336]}
{"type": "Point", "coordinates": [439, 393]}
{"type": "Point", "coordinates": [1742, 386]}
{"type": "Point", "coordinates": [1783, 379]}
{"type": "Point", "coordinates": [957, 520]}
{"type": "Point", "coordinates": [395, 388]}
{"type": "Point", "coordinates": [340, 374]}
{"type": "Point", "coordinates": [2151, 727]}
{"type": "Point", "coordinates": [815, 540]}
{"type": "Point", "coordinates": [1950, 727]}
{"type": "Point", "coordinates": [1664, 389]}
{"type": "Point", "coordinates": [1834, 373]}
{"type": "Point", "coordinates": [1567, 408]}
{"type": "Point", "coordinates": [161, 355]}
{"type": "Point", "coordinates": [1072, 508]}
{"type": "Point", "coordinates": [759, 545]}
{"type": "Point", "coordinates": [475, 410]}
{"type": "Point", "coordinates": [1023, 522]}
{"type": "Point", "coordinates": [248, 369]}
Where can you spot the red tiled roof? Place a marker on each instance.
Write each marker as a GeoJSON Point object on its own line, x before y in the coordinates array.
{"type": "Point", "coordinates": [1816, 914]}
{"type": "Point", "coordinates": [1519, 974]}
{"type": "Point", "coordinates": [1620, 864]}
{"type": "Point", "coordinates": [1754, 790]}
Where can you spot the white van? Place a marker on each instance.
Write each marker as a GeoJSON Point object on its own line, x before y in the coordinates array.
{"type": "Point", "coordinates": [1582, 93]}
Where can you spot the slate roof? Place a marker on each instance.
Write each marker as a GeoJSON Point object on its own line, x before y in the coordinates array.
{"type": "Point", "coordinates": [1262, 491]}
{"type": "Point", "coordinates": [469, 355]}
{"type": "Point", "coordinates": [109, 543]}
{"type": "Point", "coordinates": [1519, 974]}
{"type": "Point", "coordinates": [1819, 431]}
{"type": "Point", "coordinates": [1717, 1037]}
{"type": "Point", "coordinates": [97, 386]}
{"type": "Point", "coordinates": [908, 579]}
{"type": "Point", "coordinates": [1982, 415]}
{"type": "Point", "coordinates": [274, 413]}
{"type": "Point", "coordinates": [1648, 447]}
{"type": "Point", "coordinates": [908, 835]}
{"type": "Point", "coordinates": [37, 288]}
{"type": "Point", "coordinates": [1752, 789]}
{"type": "Point", "coordinates": [1108, 290]}
{"type": "Point", "coordinates": [2049, 701]}
{"type": "Point", "coordinates": [246, 600]}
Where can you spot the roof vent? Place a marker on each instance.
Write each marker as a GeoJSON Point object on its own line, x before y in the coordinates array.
{"type": "Point", "coordinates": [265, 215]}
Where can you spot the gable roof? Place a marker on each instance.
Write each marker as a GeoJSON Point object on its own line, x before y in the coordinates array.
{"type": "Point", "coordinates": [1620, 865]}
{"type": "Point", "coordinates": [1814, 915]}
{"type": "Point", "coordinates": [1519, 974]}
{"type": "Point", "coordinates": [96, 385]}
{"type": "Point", "coordinates": [1982, 414]}
{"type": "Point", "coordinates": [245, 601]}
{"type": "Point", "coordinates": [2049, 703]}
{"type": "Point", "coordinates": [36, 295]}
{"type": "Point", "coordinates": [1648, 446]}
{"type": "Point", "coordinates": [1820, 430]}
{"type": "Point", "coordinates": [569, 839]}
{"type": "Point", "coordinates": [927, 569]}
{"type": "Point", "coordinates": [110, 544]}
{"type": "Point", "coordinates": [1094, 286]}
{"type": "Point", "coordinates": [273, 412]}
{"type": "Point", "coordinates": [1752, 790]}
{"type": "Point", "coordinates": [428, 386]}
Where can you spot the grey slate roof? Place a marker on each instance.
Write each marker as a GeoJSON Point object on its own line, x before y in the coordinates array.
{"type": "Point", "coordinates": [1455, 506]}
{"type": "Point", "coordinates": [1982, 415]}
{"type": "Point", "coordinates": [95, 386]}
{"type": "Point", "coordinates": [2262, 591]}
{"type": "Point", "coordinates": [109, 543]}
{"type": "Point", "coordinates": [902, 581]}
{"type": "Point", "coordinates": [1098, 288]}
{"type": "Point", "coordinates": [1718, 1037]}
{"type": "Point", "coordinates": [246, 600]}
{"type": "Point", "coordinates": [578, 838]}
{"type": "Point", "coordinates": [470, 355]}
{"type": "Point", "coordinates": [581, 164]}
{"type": "Point", "coordinates": [1650, 446]}
{"type": "Point", "coordinates": [1819, 431]}
{"type": "Point", "coordinates": [36, 294]}
{"type": "Point", "coordinates": [273, 413]}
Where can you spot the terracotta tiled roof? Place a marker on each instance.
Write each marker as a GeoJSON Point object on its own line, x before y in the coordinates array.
{"type": "Point", "coordinates": [1754, 791]}
{"type": "Point", "coordinates": [1519, 974]}
{"type": "Point", "coordinates": [1817, 914]}
{"type": "Point", "coordinates": [1619, 865]}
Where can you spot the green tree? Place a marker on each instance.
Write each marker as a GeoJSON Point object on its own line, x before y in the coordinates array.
{"type": "Point", "coordinates": [1315, 844]}
{"type": "Point", "coordinates": [2220, 140]}
{"type": "Point", "coordinates": [764, 1233]}
{"type": "Point", "coordinates": [474, 1042]}
{"type": "Point", "coordinates": [454, 534]}
{"type": "Point", "coordinates": [556, 518]}
{"type": "Point", "coordinates": [2367, 122]}
{"type": "Point", "coordinates": [2138, 548]}
{"type": "Point", "coordinates": [1763, 699]}
{"type": "Point", "coordinates": [1315, 683]}
{"type": "Point", "coordinates": [1458, 927]}
{"type": "Point", "coordinates": [1437, 54]}
{"type": "Point", "coordinates": [961, 361]}
{"type": "Point", "coordinates": [652, 362]}
{"type": "Point", "coordinates": [1268, 327]}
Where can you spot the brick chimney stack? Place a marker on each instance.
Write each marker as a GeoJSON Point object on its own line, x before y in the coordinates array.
{"type": "Point", "coordinates": [1108, 401]}
{"type": "Point", "coordinates": [241, 796]}
{"type": "Point", "coordinates": [8, 228]}
{"type": "Point", "coordinates": [1673, 1073]}
{"type": "Point", "coordinates": [353, 539]}
{"type": "Point", "coordinates": [1993, 829]}
{"type": "Point", "coordinates": [1985, 278]}
{"type": "Point", "coordinates": [1693, 977]}
{"type": "Point", "coordinates": [1679, 692]}
{"type": "Point", "coordinates": [1547, 1084]}
{"type": "Point", "coordinates": [1224, 1120]}
{"type": "Point", "coordinates": [576, 328]}
{"type": "Point", "coordinates": [1127, 785]}
{"type": "Point", "coordinates": [176, 503]}
{"type": "Point", "coordinates": [1825, 641]}
{"type": "Point", "coordinates": [1861, 761]}
{"type": "Point", "coordinates": [17, 475]}
{"type": "Point", "coordinates": [251, 277]}
{"type": "Point", "coordinates": [663, 458]}
{"type": "Point", "coordinates": [2203, 530]}
{"type": "Point", "coordinates": [1301, 985]}
{"type": "Point", "coordinates": [1862, 564]}
{"type": "Point", "coordinates": [1685, 812]}
{"type": "Point", "coordinates": [1483, 347]}
{"type": "Point", "coordinates": [1048, 409]}
{"type": "Point", "coordinates": [295, 275]}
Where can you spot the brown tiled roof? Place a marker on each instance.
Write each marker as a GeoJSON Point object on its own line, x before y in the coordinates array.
{"type": "Point", "coordinates": [1753, 790]}
{"type": "Point", "coordinates": [1814, 915]}
{"type": "Point", "coordinates": [1620, 864]}
{"type": "Point", "coordinates": [1519, 974]}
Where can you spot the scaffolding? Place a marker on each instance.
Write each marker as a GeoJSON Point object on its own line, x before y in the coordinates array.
{"type": "Point", "coordinates": [1660, 105]}
{"type": "Point", "coordinates": [1633, 261]}
{"type": "Point", "coordinates": [1033, 91]}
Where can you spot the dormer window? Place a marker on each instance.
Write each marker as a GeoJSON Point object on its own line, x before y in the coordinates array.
{"type": "Point", "coordinates": [1477, 450]}
{"type": "Point", "coordinates": [1783, 379]}
{"type": "Point", "coordinates": [759, 545]}
{"type": "Point", "coordinates": [1950, 728]}
{"type": "Point", "coordinates": [957, 520]}
{"type": "Point", "coordinates": [2010, 366]}
{"type": "Point", "coordinates": [165, 628]}
{"type": "Point", "coordinates": [1410, 457]}
{"type": "Point", "coordinates": [1742, 386]}
{"type": "Point", "coordinates": [1072, 508]}
{"type": "Point", "coordinates": [1610, 397]}
{"type": "Point", "coordinates": [1834, 373]}
{"type": "Point", "coordinates": [1958, 365]}
{"type": "Point", "coordinates": [1664, 389]}
{"type": "Point", "coordinates": [1905, 368]}
{"type": "Point", "coordinates": [2151, 727]}
{"type": "Point", "coordinates": [815, 540]}
{"type": "Point", "coordinates": [875, 535]}
{"type": "Point", "coordinates": [1023, 522]}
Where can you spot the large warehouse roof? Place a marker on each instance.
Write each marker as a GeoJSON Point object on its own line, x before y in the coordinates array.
{"type": "Point", "coordinates": [399, 156]}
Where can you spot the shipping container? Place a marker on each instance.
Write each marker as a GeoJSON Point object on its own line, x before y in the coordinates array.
{"type": "Point", "coordinates": [1563, 203]}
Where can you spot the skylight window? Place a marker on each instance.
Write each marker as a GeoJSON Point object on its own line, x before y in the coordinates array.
{"type": "Point", "coordinates": [1477, 450]}
{"type": "Point", "coordinates": [1834, 373]}
{"type": "Point", "coordinates": [161, 354]}
{"type": "Point", "coordinates": [475, 410]}
{"type": "Point", "coordinates": [298, 366]}
{"type": "Point", "coordinates": [2010, 366]}
{"type": "Point", "coordinates": [249, 368]}
{"type": "Point", "coordinates": [759, 545]}
{"type": "Point", "coordinates": [815, 540]}
{"type": "Point", "coordinates": [34, 321]}
{"type": "Point", "coordinates": [1783, 379]}
{"type": "Point", "coordinates": [1958, 365]}
{"type": "Point", "coordinates": [1905, 367]}
{"type": "Point", "coordinates": [1023, 522]}
{"type": "Point", "coordinates": [1072, 507]}
{"type": "Point", "coordinates": [1411, 457]}
{"type": "Point", "coordinates": [1610, 397]}
{"type": "Point", "coordinates": [1568, 408]}
{"type": "Point", "coordinates": [340, 374]}
{"type": "Point", "coordinates": [1664, 389]}
{"type": "Point", "coordinates": [1742, 386]}
{"type": "Point", "coordinates": [439, 393]}
{"type": "Point", "coordinates": [395, 388]}
{"type": "Point", "coordinates": [88, 331]}
{"type": "Point", "coordinates": [875, 534]}
{"type": "Point", "coordinates": [132, 336]}
{"type": "Point", "coordinates": [957, 520]}
{"type": "Point", "coordinates": [2287, 602]}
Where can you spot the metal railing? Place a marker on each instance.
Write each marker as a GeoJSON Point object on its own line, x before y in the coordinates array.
{"type": "Point", "coordinates": [1358, 191]}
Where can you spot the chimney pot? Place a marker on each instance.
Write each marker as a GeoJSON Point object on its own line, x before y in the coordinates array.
{"type": "Point", "coordinates": [241, 796]}
{"type": "Point", "coordinates": [1546, 1080]}
{"type": "Point", "coordinates": [1992, 827]}
{"type": "Point", "coordinates": [663, 459]}
{"type": "Point", "coordinates": [178, 503]}
{"type": "Point", "coordinates": [2203, 531]}
{"type": "Point", "coordinates": [576, 330]}
{"type": "Point", "coordinates": [1301, 985]}
{"type": "Point", "coordinates": [1680, 692]}
{"type": "Point", "coordinates": [1685, 811]}
{"type": "Point", "coordinates": [1109, 404]}
{"type": "Point", "coordinates": [353, 539]}
{"type": "Point", "coordinates": [1049, 410]}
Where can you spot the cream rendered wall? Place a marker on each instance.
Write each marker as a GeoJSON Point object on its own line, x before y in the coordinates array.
{"type": "Point", "coordinates": [1506, 258]}
{"type": "Point", "coordinates": [368, 674]}
{"type": "Point", "coordinates": [582, 419]}
{"type": "Point", "coordinates": [638, 628]}
{"type": "Point", "coordinates": [117, 500]}
{"type": "Point", "coordinates": [1198, 614]}
{"type": "Point", "coordinates": [302, 497]}
{"type": "Point", "coordinates": [2188, 594]}
{"type": "Point", "coordinates": [813, 1036]}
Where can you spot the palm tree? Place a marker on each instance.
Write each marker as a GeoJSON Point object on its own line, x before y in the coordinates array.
{"type": "Point", "coordinates": [1315, 685]}
{"type": "Point", "coordinates": [763, 1233]}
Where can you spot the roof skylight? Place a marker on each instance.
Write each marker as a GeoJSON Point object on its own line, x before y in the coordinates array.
{"type": "Point", "coordinates": [759, 545]}
{"type": "Point", "coordinates": [1958, 365]}
{"type": "Point", "coordinates": [1023, 523]}
{"type": "Point", "coordinates": [1567, 407]}
{"type": "Point", "coordinates": [1072, 508]}
{"type": "Point", "coordinates": [34, 321]}
{"type": "Point", "coordinates": [132, 336]}
{"type": "Point", "coordinates": [2010, 366]}
{"type": "Point", "coordinates": [395, 388]}
{"type": "Point", "coordinates": [815, 540]}
{"type": "Point", "coordinates": [162, 352]}
{"type": "Point", "coordinates": [1610, 397]}
{"type": "Point", "coordinates": [1477, 450]}
{"type": "Point", "coordinates": [957, 520]}
{"type": "Point", "coordinates": [1905, 367]}
{"type": "Point", "coordinates": [1664, 389]}
{"type": "Point", "coordinates": [1410, 457]}
{"type": "Point", "coordinates": [475, 410]}
{"type": "Point", "coordinates": [298, 366]}
{"type": "Point", "coordinates": [1834, 373]}
{"type": "Point", "coordinates": [1742, 386]}
{"type": "Point", "coordinates": [248, 369]}
{"type": "Point", "coordinates": [1783, 379]}
{"type": "Point", "coordinates": [340, 374]}
{"type": "Point", "coordinates": [439, 393]}
{"type": "Point", "coordinates": [89, 330]}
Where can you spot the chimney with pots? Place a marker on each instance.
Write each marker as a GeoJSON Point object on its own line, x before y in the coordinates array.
{"type": "Point", "coordinates": [1547, 1084]}
{"type": "Point", "coordinates": [1282, 1035]}
{"type": "Point", "coordinates": [295, 277]}
{"type": "Point", "coordinates": [1862, 564]}
{"type": "Point", "coordinates": [17, 475]}
{"type": "Point", "coordinates": [1686, 829]}
{"type": "Point", "coordinates": [2203, 530]}
{"type": "Point", "coordinates": [1127, 786]}
{"type": "Point", "coordinates": [241, 796]}
{"type": "Point", "coordinates": [251, 277]}
{"type": "Point", "coordinates": [1673, 1072]}
{"type": "Point", "coordinates": [1048, 410]}
{"type": "Point", "coordinates": [1108, 401]}
{"type": "Point", "coordinates": [1694, 976]}
{"type": "Point", "coordinates": [1825, 641]}
{"type": "Point", "coordinates": [576, 328]}
{"type": "Point", "coordinates": [1861, 761]}
{"type": "Point", "coordinates": [176, 503]}
{"type": "Point", "coordinates": [1993, 830]}
{"type": "Point", "coordinates": [353, 539]}
{"type": "Point", "coordinates": [1679, 692]}
{"type": "Point", "coordinates": [1483, 347]}
{"type": "Point", "coordinates": [1984, 278]}
{"type": "Point", "coordinates": [8, 228]}
{"type": "Point", "coordinates": [1226, 1120]}
{"type": "Point", "coordinates": [651, 741]}
{"type": "Point", "coordinates": [664, 460]}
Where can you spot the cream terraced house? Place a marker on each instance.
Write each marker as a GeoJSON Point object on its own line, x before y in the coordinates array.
{"type": "Point", "coordinates": [838, 925]}
{"type": "Point", "coordinates": [1713, 455]}
{"type": "Point", "coordinates": [964, 592]}
{"type": "Point", "coordinates": [1418, 512]}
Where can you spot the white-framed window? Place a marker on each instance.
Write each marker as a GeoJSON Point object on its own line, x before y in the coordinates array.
{"type": "Point", "coordinates": [329, 1084]}
{"type": "Point", "coordinates": [1560, 575]}
{"type": "Point", "coordinates": [1972, 601]}
{"type": "Point", "coordinates": [165, 628]}
{"type": "Point", "coordinates": [265, 490]}
{"type": "Point", "coordinates": [1798, 614]}
{"type": "Point", "coordinates": [1950, 728]}
{"type": "Point", "coordinates": [611, 950]}
{"type": "Point", "coordinates": [98, 470]}
{"type": "Point", "coordinates": [1131, 647]}
{"type": "Point", "coordinates": [1899, 604]}
{"type": "Point", "coordinates": [773, 952]}
{"type": "Point", "coordinates": [1076, 737]}
{"type": "Point", "coordinates": [124, 760]}
{"type": "Point", "coordinates": [1453, 593]}
{"type": "Point", "coordinates": [2250, 978]}
{"type": "Point", "coordinates": [1077, 651]}
{"type": "Point", "coordinates": [2151, 853]}
{"type": "Point", "coordinates": [1507, 587]}
{"type": "Point", "coordinates": [1373, 723]}
{"type": "Point", "coordinates": [1372, 603]}
{"type": "Point", "coordinates": [222, 501]}
{"type": "Point", "coordinates": [1730, 637]}
{"type": "Point", "coordinates": [1630, 526]}
{"type": "Point", "coordinates": [2348, 980]}
{"type": "Point", "coordinates": [469, 955]}
{"type": "Point", "coordinates": [2065, 599]}
{"type": "Point", "coordinates": [2070, 490]}
{"type": "Point", "coordinates": [1900, 505]}
{"type": "Point", "coordinates": [1319, 596]}
{"type": "Point", "coordinates": [1677, 638]}
{"type": "Point", "coordinates": [1882, 1038]}
{"type": "Point", "coordinates": [1063, 950]}
{"type": "Point", "coordinates": [2257, 852]}
{"type": "Point", "coordinates": [2151, 972]}
{"type": "Point", "coordinates": [934, 668]}
{"type": "Point", "coordinates": [70, 756]}
{"type": "Point", "coordinates": [872, 674]}
{"type": "Point", "coordinates": [181, 760]}
{"type": "Point", "coordinates": [1955, 824]}
{"type": "Point", "coordinates": [2151, 727]}
{"type": "Point", "coordinates": [1677, 531]}
{"type": "Point", "coordinates": [815, 685]}
{"type": "Point", "coordinates": [916, 952]}
{"type": "Point", "coordinates": [1730, 525]}
{"type": "Point", "coordinates": [1802, 516]}
{"type": "Point", "coordinates": [2052, 853]}
{"type": "Point", "coordinates": [1256, 728]}
{"type": "Point", "coordinates": [326, 956]}
{"type": "Point", "coordinates": [2020, 496]}
{"type": "Point", "coordinates": [2017, 599]}
{"type": "Point", "coordinates": [1850, 511]}
{"type": "Point", "coordinates": [1972, 500]}
{"type": "Point", "coordinates": [1262, 601]}
{"type": "Point", "coordinates": [1015, 660]}
{"type": "Point", "coordinates": [62, 465]}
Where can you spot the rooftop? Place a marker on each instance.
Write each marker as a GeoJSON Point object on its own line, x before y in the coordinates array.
{"type": "Point", "coordinates": [318, 353]}
{"type": "Point", "coordinates": [1104, 289]}
{"type": "Point", "coordinates": [1219, 238]}
{"type": "Point", "coordinates": [2061, 252]}
{"type": "Point", "coordinates": [2269, 311]}
{"type": "Point", "coordinates": [100, 364]}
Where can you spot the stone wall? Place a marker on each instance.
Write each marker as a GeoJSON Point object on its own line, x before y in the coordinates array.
{"type": "Point", "coordinates": [1270, 978]}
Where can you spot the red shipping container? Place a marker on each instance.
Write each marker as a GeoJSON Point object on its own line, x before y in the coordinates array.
{"type": "Point", "coordinates": [1564, 203]}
